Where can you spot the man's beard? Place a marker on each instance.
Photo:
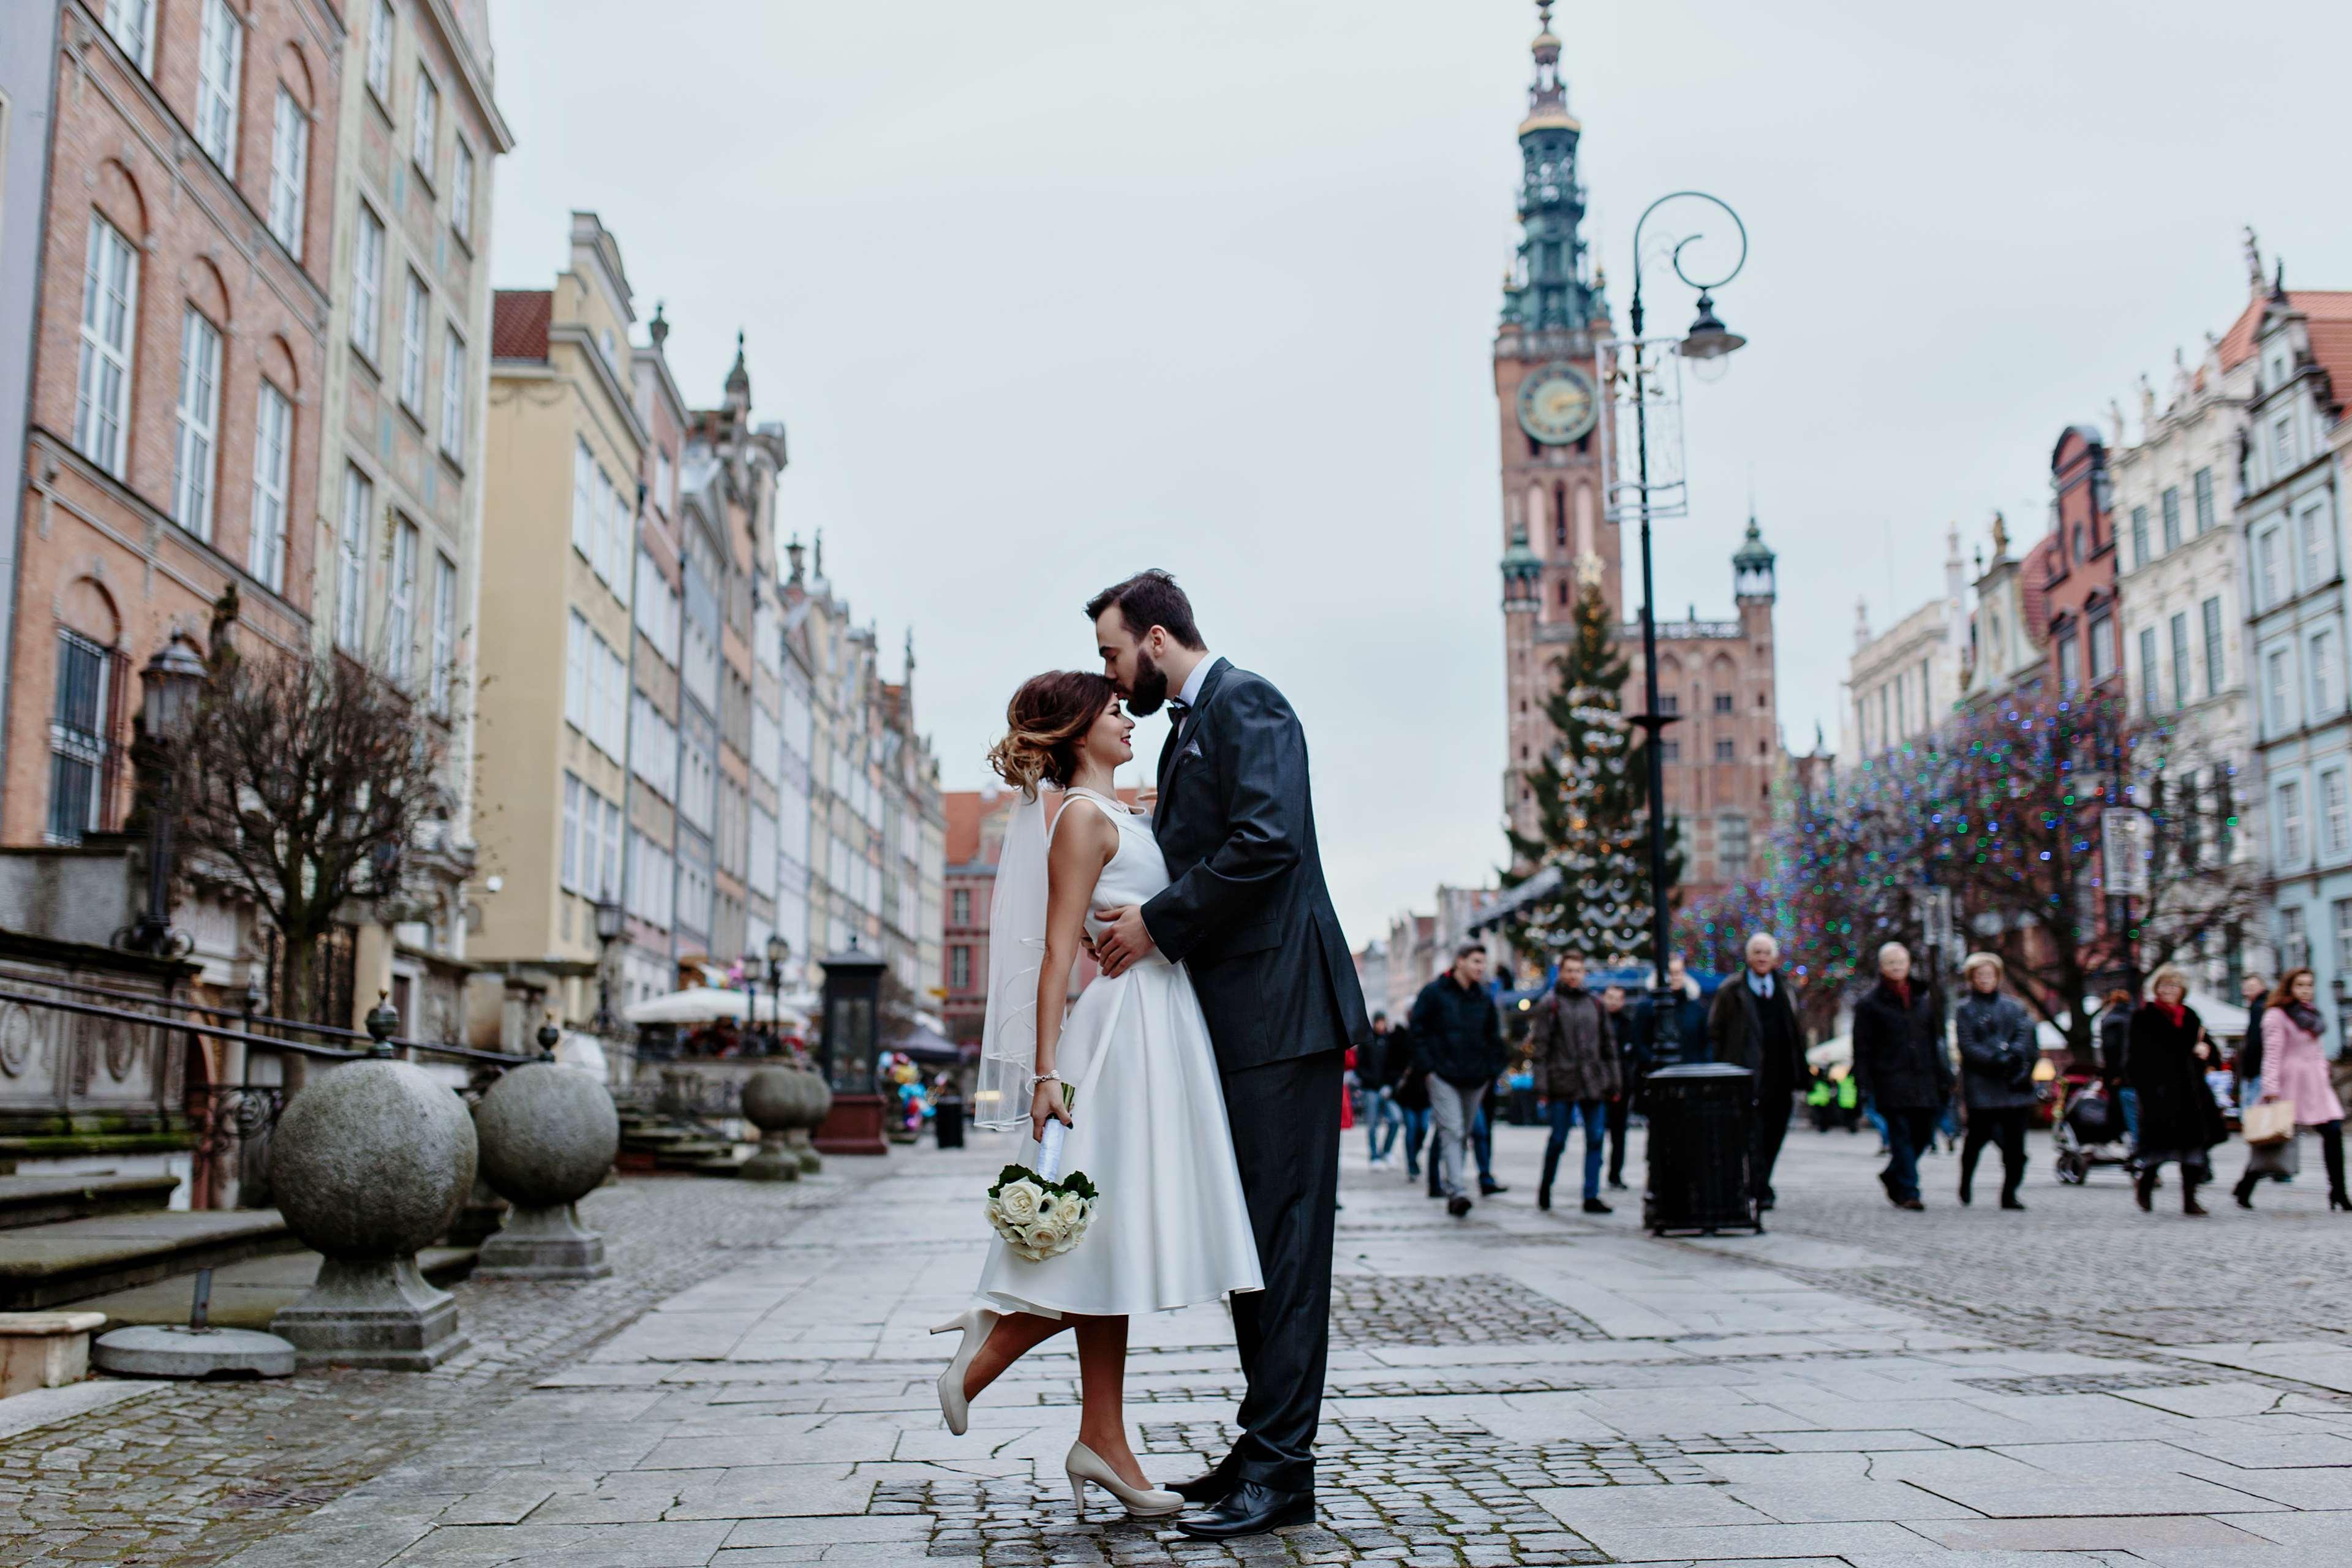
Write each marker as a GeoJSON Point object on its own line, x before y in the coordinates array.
{"type": "Point", "coordinates": [1150, 690]}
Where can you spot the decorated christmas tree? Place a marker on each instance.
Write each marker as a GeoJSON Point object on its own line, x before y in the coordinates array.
{"type": "Point", "coordinates": [1590, 792]}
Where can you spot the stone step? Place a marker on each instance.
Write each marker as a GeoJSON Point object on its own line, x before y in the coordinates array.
{"type": "Point", "coordinates": [83, 1195]}
{"type": "Point", "coordinates": [248, 1295]}
{"type": "Point", "coordinates": [45, 1264]}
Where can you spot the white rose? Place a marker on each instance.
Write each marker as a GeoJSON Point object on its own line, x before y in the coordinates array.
{"type": "Point", "coordinates": [1019, 1202]}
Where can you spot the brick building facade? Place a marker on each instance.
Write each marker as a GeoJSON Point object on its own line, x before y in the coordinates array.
{"type": "Point", "coordinates": [173, 447]}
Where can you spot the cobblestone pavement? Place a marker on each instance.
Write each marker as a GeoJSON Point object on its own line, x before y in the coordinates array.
{"type": "Point", "coordinates": [193, 1473]}
{"type": "Point", "coordinates": [2081, 1383]}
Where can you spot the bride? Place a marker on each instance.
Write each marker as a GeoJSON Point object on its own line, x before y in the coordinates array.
{"type": "Point", "coordinates": [1129, 1073]}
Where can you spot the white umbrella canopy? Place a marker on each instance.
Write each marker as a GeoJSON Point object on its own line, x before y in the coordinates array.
{"type": "Point", "coordinates": [1837, 1051]}
{"type": "Point", "coordinates": [708, 1003]}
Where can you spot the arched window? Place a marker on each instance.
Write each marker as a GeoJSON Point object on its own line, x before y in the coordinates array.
{"type": "Point", "coordinates": [85, 713]}
{"type": "Point", "coordinates": [1560, 515]}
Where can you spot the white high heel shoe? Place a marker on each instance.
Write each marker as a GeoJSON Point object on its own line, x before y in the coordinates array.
{"type": "Point", "coordinates": [1085, 1465]}
{"type": "Point", "coordinates": [976, 1325]}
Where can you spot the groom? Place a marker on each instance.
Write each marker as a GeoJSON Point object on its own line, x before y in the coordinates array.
{"type": "Point", "coordinates": [1246, 912]}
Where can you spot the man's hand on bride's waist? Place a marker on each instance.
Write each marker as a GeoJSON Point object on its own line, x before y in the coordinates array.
{"type": "Point", "coordinates": [1125, 939]}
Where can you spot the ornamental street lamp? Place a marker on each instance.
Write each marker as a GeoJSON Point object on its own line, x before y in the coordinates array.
{"type": "Point", "coordinates": [171, 684]}
{"type": "Point", "coordinates": [1708, 342]}
{"type": "Point", "coordinates": [779, 950]}
{"type": "Point", "coordinates": [609, 915]}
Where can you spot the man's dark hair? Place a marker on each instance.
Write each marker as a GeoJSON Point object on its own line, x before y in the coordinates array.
{"type": "Point", "coordinates": [1466, 949]}
{"type": "Point", "coordinates": [1380, 1017]}
{"type": "Point", "coordinates": [1150, 599]}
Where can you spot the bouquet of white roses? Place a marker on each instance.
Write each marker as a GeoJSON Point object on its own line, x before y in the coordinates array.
{"type": "Point", "coordinates": [1039, 1215]}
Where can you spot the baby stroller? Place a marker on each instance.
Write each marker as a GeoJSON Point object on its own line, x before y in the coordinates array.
{"type": "Point", "coordinates": [2089, 1131]}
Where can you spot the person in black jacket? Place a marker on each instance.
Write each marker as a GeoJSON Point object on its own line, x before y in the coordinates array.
{"type": "Point", "coordinates": [1997, 1056]}
{"type": "Point", "coordinates": [1247, 913]}
{"type": "Point", "coordinates": [2178, 1118]}
{"type": "Point", "coordinates": [2256, 990]}
{"type": "Point", "coordinates": [1629, 1076]}
{"type": "Point", "coordinates": [1457, 1037]}
{"type": "Point", "coordinates": [1753, 1025]}
{"type": "Point", "coordinates": [1376, 1069]}
{"type": "Point", "coordinates": [1899, 1058]}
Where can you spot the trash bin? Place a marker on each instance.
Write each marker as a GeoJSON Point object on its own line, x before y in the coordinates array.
{"type": "Point", "coordinates": [1701, 1130]}
{"type": "Point", "coordinates": [947, 1121]}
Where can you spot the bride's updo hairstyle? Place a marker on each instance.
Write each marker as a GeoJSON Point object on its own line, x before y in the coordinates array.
{"type": "Point", "coordinates": [1044, 722]}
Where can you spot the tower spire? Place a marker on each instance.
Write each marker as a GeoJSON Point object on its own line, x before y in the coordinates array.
{"type": "Point", "coordinates": [1548, 287]}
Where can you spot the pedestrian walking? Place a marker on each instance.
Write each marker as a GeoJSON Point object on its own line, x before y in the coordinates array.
{"type": "Point", "coordinates": [1997, 1056]}
{"type": "Point", "coordinates": [1458, 1038]}
{"type": "Point", "coordinates": [1410, 1091]}
{"type": "Point", "coordinates": [1687, 1017]}
{"type": "Point", "coordinates": [1575, 1061]}
{"type": "Point", "coordinates": [2256, 993]}
{"type": "Point", "coordinates": [1375, 1075]}
{"type": "Point", "coordinates": [1628, 1079]}
{"type": "Point", "coordinates": [1898, 1054]}
{"type": "Point", "coordinates": [1753, 1025]}
{"type": "Point", "coordinates": [2164, 1064]}
{"type": "Point", "coordinates": [2295, 1072]}
{"type": "Point", "coordinates": [2115, 1048]}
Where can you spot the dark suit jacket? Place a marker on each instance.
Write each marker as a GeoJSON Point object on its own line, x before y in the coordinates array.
{"type": "Point", "coordinates": [1247, 912]}
{"type": "Point", "coordinates": [1736, 1023]}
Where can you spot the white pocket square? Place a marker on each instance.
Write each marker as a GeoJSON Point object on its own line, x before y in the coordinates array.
{"type": "Point", "coordinates": [1191, 749]}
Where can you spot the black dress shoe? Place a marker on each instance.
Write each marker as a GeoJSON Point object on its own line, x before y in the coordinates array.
{"type": "Point", "coordinates": [1252, 1507]}
{"type": "Point", "coordinates": [1207, 1490]}
{"type": "Point", "coordinates": [1488, 1186]}
{"type": "Point", "coordinates": [1457, 1206]}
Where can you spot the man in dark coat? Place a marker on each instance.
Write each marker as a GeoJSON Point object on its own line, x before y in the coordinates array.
{"type": "Point", "coordinates": [1753, 1025]}
{"type": "Point", "coordinates": [1629, 1076]}
{"type": "Point", "coordinates": [1458, 1039]}
{"type": "Point", "coordinates": [1997, 1056]}
{"type": "Point", "coordinates": [1899, 1058]}
{"type": "Point", "coordinates": [1248, 915]}
{"type": "Point", "coordinates": [1575, 1060]}
{"type": "Point", "coordinates": [1689, 1016]}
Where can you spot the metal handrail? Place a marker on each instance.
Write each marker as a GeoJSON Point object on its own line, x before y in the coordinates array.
{"type": "Point", "coordinates": [275, 1042]}
{"type": "Point", "coordinates": [270, 1042]}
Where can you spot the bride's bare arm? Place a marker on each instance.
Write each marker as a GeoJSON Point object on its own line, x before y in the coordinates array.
{"type": "Point", "coordinates": [1082, 846]}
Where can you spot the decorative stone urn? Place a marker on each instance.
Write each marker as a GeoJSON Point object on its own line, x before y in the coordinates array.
{"type": "Point", "coordinates": [369, 1164]}
{"type": "Point", "coordinates": [783, 1103]}
{"type": "Point", "coordinates": [548, 1135]}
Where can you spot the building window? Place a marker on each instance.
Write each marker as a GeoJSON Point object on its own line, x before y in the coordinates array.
{"type": "Point", "coordinates": [132, 23]}
{"type": "Point", "coordinates": [2181, 684]}
{"type": "Point", "coordinates": [461, 190]}
{"type": "Point", "coordinates": [1731, 848]}
{"type": "Point", "coordinates": [2070, 663]}
{"type": "Point", "coordinates": [960, 967]}
{"type": "Point", "coordinates": [2281, 445]}
{"type": "Point", "coordinates": [2139, 535]}
{"type": "Point", "coordinates": [2341, 912]}
{"type": "Point", "coordinates": [290, 168]}
{"type": "Point", "coordinates": [273, 447]}
{"type": "Point", "coordinates": [2278, 691]}
{"type": "Point", "coordinates": [2147, 670]}
{"type": "Point", "coordinates": [379, 56]}
{"type": "Point", "coordinates": [367, 284]}
{"type": "Point", "coordinates": [424, 131]}
{"type": "Point", "coordinates": [2203, 486]}
{"type": "Point", "coordinates": [2289, 822]}
{"type": "Point", "coordinates": [1669, 703]}
{"type": "Point", "coordinates": [350, 563]}
{"type": "Point", "coordinates": [194, 453]}
{"type": "Point", "coordinates": [453, 396]}
{"type": "Point", "coordinates": [1727, 751]}
{"type": "Point", "coordinates": [1561, 589]}
{"type": "Point", "coordinates": [2102, 640]}
{"type": "Point", "coordinates": [1670, 750]}
{"type": "Point", "coordinates": [2211, 611]}
{"type": "Point", "coordinates": [399, 605]}
{"type": "Point", "coordinates": [2335, 812]}
{"type": "Point", "coordinates": [110, 293]}
{"type": "Point", "coordinates": [2323, 695]}
{"type": "Point", "coordinates": [444, 631]}
{"type": "Point", "coordinates": [573, 792]}
{"type": "Point", "coordinates": [2318, 554]}
{"type": "Point", "coordinates": [1723, 701]}
{"type": "Point", "coordinates": [2172, 502]}
{"type": "Point", "coordinates": [412, 347]}
{"type": "Point", "coordinates": [959, 902]}
{"type": "Point", "coordinates": [2266, 566]}
{"type": "Point", "coordinates": [2295, 942]}
{"type": "Point", "coordinates": [220, 53]}
{"type": "Point", "coordinates": [81, 751]}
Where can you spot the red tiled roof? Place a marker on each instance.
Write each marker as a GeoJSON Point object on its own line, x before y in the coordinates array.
{"type": "Point", "coordinates": [518, 319]}
{"type": "Point", "coordinates": [2328, 309]}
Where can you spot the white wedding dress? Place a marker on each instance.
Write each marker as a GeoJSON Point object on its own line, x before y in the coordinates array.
{"type": "Point", "coordinates": [1149, 1129]}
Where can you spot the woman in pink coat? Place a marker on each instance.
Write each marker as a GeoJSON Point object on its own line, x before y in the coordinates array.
{"type": "Point", "coordinates": [2294, 1069]}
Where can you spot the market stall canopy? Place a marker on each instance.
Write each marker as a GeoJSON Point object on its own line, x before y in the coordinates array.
{"type": "Point", "coordinates": [708, 1004]}
{"type": "Point", "coordinates": [1837, 1051]}
{"type": "Point", "coordinates": [924, 1043]}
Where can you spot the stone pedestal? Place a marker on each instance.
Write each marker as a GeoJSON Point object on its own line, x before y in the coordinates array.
{"type": "Point", "coordinates": [782, 1101]}
{"type": "Point", "coordinates": [854, 1126]}
{"type": "Point", "coordinates": [45, 1349]}
{"type": "Point", "coordinates": [479, 1218]}
{"type": "Point", "coordinates": [548, 1135]}
{"type": "Point", "coordinates": [376, 1311]}
{"type": "Point", "coordinates": [198, 1354]}
{"type": "Point", "coordinates": [369, 1164]}
{"type": "Point", "coordinates": [543, 1243]}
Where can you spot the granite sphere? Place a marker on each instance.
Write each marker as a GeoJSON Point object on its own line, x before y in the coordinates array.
{"type": "Point", "coordinates": [549, 1134]}
{"type": "Point", "coordinates": [776, 1099]}
{"type": "Point", "coordinates": [371, 1159]}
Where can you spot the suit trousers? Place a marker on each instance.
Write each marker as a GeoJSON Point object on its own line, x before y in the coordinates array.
{"type": "Point", "coordinates": [1285, 1125]}
{"type": "Point", "coordinates": [1771, 1130]}
{"type": "Point", "coordinates": [2005, 1127]}
{"type": "Point", "coordinates": [1454, 1112]}
{"type": "Point", "coordinates": [1620, 1114]}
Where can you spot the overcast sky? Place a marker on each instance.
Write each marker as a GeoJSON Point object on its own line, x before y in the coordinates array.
{"type": "Point", "coordinates": [1048, 290]}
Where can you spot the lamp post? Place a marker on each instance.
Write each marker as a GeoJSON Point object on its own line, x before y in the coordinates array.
{"type": "Point", "coordinates": [609, 915]}
{"type": "Point", "coordinates": [1707, 342]}
{"type": "Point", "coordinates": [169, 684]}
{"type": "Point", "coordinates": [779, 950]}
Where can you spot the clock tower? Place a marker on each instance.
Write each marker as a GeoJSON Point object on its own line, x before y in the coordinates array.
{"type": "Point", "coordinates": [1548, 406]}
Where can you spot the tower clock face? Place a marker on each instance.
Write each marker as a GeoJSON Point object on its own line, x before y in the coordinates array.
{"type": "Point", "coordinates": [1557, 405]}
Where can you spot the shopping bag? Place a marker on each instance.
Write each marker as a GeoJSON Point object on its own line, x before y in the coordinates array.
{"type": "Point", "coordinates": [2270, 1121]}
